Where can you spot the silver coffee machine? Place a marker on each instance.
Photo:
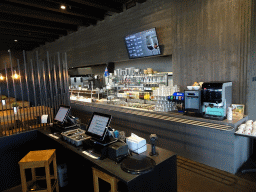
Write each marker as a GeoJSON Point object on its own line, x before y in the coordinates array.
{"type": "Point", "coordinates": [193, 102]}
{"type": "Point", "coordinates": [216, 98]}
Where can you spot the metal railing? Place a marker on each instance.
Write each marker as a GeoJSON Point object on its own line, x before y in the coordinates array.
{"type": "Point", "coordinates": [31, 89]}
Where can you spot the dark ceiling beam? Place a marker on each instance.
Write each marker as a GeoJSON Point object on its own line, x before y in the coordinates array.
{"type": "Point", "coordinates": [55, 7]}
{"type": "Point", "coordinates": [32, 44]}
{"type": "Point", "coordinates": [141, 1]}
{"type": "Point", "coordinates": [33, 29]}
{"type": "Point", "coordinates": [17, 47]}
{"type": "Point", "coordinates": [29, 34]}
{"type": "Point", "coordinates": [77, 7]}
{"type": "Point", "coordinates": [34, 22]}
{"type": "Point", "coordinates": [12, 37]}
{"type": "Point", "coordinates": [20, 43]}
{"type": "Point", "coordinates": [41, 15]}
{"type": "Point", "coordinates": [113, 7]}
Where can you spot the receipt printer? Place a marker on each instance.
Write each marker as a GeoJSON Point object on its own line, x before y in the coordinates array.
{"type": "Point", "coordinates": [117, 151]}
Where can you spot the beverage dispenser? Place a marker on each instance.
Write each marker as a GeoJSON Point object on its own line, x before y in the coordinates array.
{"type": "Point", "coordinates": [178, 99]}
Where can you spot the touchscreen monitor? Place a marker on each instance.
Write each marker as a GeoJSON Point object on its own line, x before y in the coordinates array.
{"type": "Point", "coordinates": [62, 113]}
{"type": "Point", "coordinates": [97, 125]}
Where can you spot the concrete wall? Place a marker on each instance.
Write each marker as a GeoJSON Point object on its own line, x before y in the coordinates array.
{"type": "Point", "coordinates": [251, 71]}
{"type": "Point", "coordinates": [208, 40]}
{"type": "Point", "coordinates": [160, 64]}
{"type": "Point", "coordinates": [211, 43]}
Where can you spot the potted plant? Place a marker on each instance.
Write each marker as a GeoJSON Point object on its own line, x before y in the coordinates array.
{"type": "Point", "coordinates": [15, 107]}
{"type": "Point", "coordinates": [3, 97]}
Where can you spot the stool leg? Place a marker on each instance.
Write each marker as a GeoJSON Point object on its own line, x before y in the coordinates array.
{"type": "Point", "coordinates": [23, 179]}
{"type": "Point", "coordinates": [48, 177]}
{"type": "Point", "coordinates": [55, 172]}
{"type": "Point", "coordinates": [33, 171]}
{"type": "Point", "coordinates": [95, 181]}
{"type": "Point", "coordinates": [113, 185]}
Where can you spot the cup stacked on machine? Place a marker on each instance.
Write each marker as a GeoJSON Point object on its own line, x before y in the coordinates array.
{"type": "Point", "coordinates": [248, 128]}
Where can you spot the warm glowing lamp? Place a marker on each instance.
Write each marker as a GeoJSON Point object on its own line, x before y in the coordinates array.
{"type": "Point", "coordinates": [1, 77]}
{"type": "Point", "coordinates": [15, 76]}
{"type": "Point", "coordinates": [63, 7]}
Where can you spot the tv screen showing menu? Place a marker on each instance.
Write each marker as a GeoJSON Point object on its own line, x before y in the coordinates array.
{"type": "Point", "coordinates": [142, 44]}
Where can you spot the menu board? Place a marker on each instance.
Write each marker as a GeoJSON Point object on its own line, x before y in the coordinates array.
{"type": "Point", "coordinates": [142, 44]}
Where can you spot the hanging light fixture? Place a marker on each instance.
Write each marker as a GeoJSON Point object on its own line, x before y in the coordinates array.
{"type": "Point", "coordinates": [63, 7]}
{"type": "Point", "coordinates": [1, 77]}
{"type": "Point", "coordinates": [15, 76]}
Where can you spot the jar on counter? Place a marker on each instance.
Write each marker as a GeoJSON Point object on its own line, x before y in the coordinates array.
{"type": "Point", "coordinates": [141, 95]}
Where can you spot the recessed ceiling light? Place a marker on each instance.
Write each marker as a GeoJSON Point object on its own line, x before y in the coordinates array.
{"type": "Point", "coordinates": [15, 40]}
{"type": "Point", "coordinates": [63, 7]}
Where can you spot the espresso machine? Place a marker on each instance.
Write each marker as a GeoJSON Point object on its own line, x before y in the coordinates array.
{"type": "Point", "coordinates": [216, 98]}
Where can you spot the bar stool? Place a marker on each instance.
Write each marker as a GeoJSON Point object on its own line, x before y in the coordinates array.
{"type": "Point", "coordinates": [99, 174]}
{"type": "Point", "coordinates": [36, 159]}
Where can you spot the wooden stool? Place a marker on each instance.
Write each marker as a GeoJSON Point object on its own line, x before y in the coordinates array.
{"type": "Point", "coordinates": [36, 159]}
{"type": "Point", "coordinates": [99, 174]}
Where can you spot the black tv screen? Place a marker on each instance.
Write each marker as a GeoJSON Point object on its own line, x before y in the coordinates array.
{"type": "Point", "coordinates": [142, 44]}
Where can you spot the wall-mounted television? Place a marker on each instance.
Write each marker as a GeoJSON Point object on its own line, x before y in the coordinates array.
{"type": "Point", "coordinates": [142, 44]}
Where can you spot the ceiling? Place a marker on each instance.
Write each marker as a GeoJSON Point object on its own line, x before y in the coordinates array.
{"type": "Point", "coordinates": [27, 24]}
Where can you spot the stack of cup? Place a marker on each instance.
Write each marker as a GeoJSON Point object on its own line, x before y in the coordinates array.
{"type": "Point", "coordinates": [241, 129]}
{"type": "Point", "coordinates": [254, 128]}
{"type": "Point", "coordinates": [248, 128]}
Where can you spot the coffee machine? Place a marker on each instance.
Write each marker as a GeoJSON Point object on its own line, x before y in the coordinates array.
{"type": "Point", "coordinates": [216, 98]}
{"type": "Point", "coordinates": [193, 102]}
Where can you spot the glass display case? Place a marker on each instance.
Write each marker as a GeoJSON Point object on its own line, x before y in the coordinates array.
{"type": "Point", "coordinates": [128, 88]}
{"type": "Point", "coordinates": [85, 95]}
{"type": "Point", "coordinates": [137, 86]}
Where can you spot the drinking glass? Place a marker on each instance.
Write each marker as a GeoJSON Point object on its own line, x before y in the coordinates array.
{"type": "Point", "coordinates": [121, 136]}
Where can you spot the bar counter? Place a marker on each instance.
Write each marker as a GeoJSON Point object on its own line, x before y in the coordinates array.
{"type": "Point", "coordinates": [162, 178]}
{"type": "Point", "coordinates": [206, 141]}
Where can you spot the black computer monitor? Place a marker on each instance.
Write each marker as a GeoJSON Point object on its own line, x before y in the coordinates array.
{"type": "Point", "coordinates": [62, 114]}
{"type": "Point", "coordinates": [97, 127]}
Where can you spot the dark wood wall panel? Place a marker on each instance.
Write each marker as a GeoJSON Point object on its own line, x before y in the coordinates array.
{"type": "Point", "coordinates": [251, 69]}
{"type": "Point", "coordinates": [208, 43]}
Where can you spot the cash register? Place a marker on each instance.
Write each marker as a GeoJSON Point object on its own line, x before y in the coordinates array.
{"type": "Point", "coordinates": [63, 121]}
{"type": "Point", "coordinates": [100, 139]}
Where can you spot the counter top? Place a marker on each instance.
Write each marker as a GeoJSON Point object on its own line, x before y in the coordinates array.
{"type": "Point", "coordinates": [224, 125]}
{"type": "Point", "coordinates": [107, 164]}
